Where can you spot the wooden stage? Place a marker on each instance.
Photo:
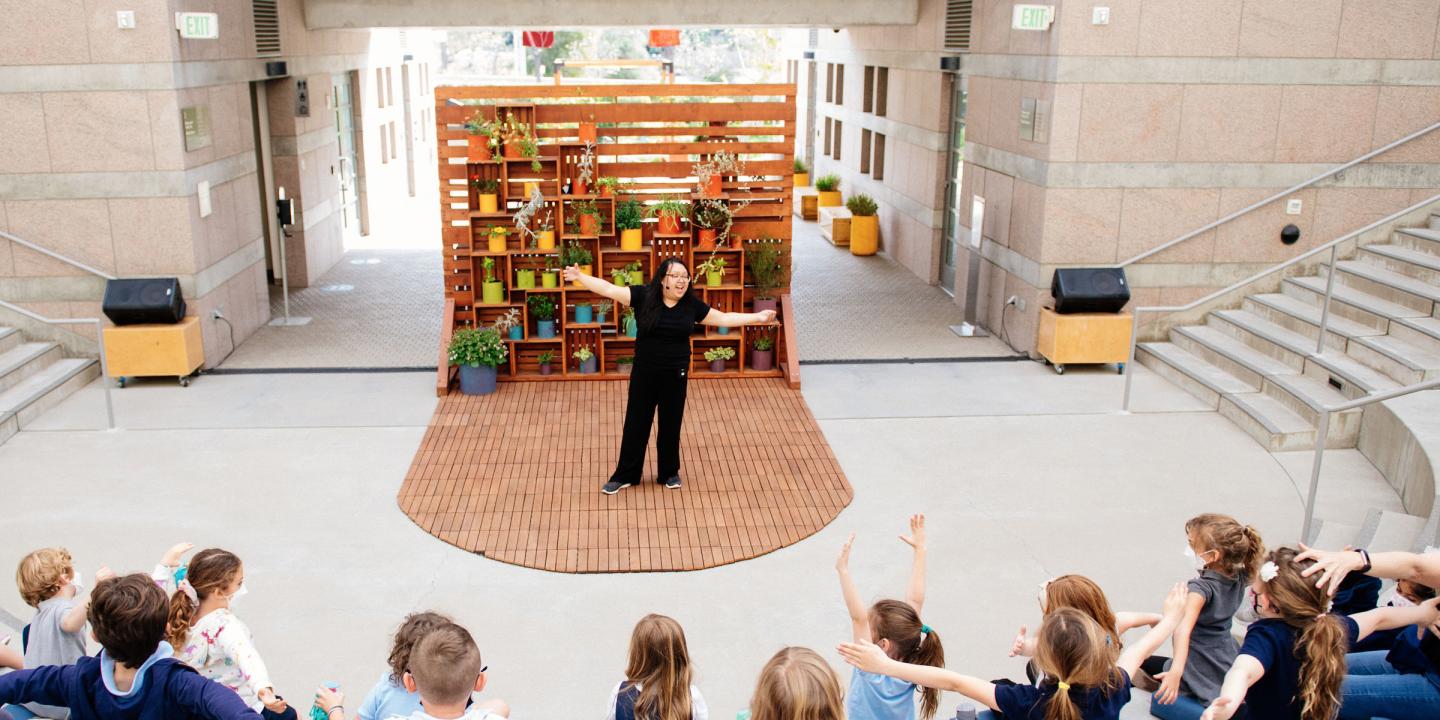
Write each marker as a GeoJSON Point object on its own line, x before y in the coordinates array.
{"type": "Point", "coordinates": [516, 476]}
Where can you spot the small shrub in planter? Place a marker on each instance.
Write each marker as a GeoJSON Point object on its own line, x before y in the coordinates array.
{"type": "Point", "coordinates": [588, 363]}
{"type": "Point", "coordinates": [717, 357]}
{"type": "Point", "coordinates": [629, 216]}
{"type": "Point", "coordinates": [543, 308]}
{"type": "Point", "coordinates": [829, 187]}
{"type": "Point", "coordinates": [762, 352]}
{"type": "Point", "coordinates": [544, 360]}
{"type": "Point", "coordinates": [477, 351]}
{"type": "Point", "coordinates": [861, 205]}
{"type": "Point", "coordinates": [608, 186]}
{"type": "Point", "coordinates": [864, 226]}
{"type": "Point", "coordinates": [602, 309]}
{"type": "Point", "coordinates": [802, 173]}
{"type": "Point", "coordinates": [486, 189]}
{"type": "Point", "coordinates": [625, 364]}
{"type": "Point", "coordinates": [766, 270]}
{"type": "Point", "coordinates": [509, 325]}
{"type": "Point", "coordinates": [827, 183]}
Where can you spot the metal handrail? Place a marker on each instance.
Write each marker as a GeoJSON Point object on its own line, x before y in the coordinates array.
{"type": "Point", "coordinates": [1332, 246]}
{"type": "Point", "coordinates": [1287, 191]}
{"type": "Point", "coordinates": [1324, 430]}
{"type": "Point", "coordinates": [55, 255]}
{"type": "Point", "coordinates": [100, 336]}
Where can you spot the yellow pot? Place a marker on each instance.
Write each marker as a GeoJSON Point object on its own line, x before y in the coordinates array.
{"type": "Point", "coordinates": [545, 239]}
{"type": "Point", "coordinates": [631, 239]}
{"type": "Point", "coordinates": [530, 188]}
{"type": "Point", "coordinates": [584, 269]}
{"type": "Point", "coordinates": [864, 235]}
{"type": "Point", "coordinates": [488, 203]}
{"type": "Point", "coordinates": [497, 242]}
{"type": "Point", "coordinates": [829, 199]}
{"type": "Point", "coordinates": [802, 179]}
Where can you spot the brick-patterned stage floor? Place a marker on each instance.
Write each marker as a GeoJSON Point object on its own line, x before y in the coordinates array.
{"type": "Point", "coordinates": [516, 476]}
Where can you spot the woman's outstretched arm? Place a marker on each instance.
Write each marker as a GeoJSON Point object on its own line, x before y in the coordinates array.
{"type": "Point", "coordinates": [596, 285]}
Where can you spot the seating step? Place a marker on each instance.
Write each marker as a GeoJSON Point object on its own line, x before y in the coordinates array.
{"type": "Point", "coordinates": [1402, 360]}
{"type": "Point", "coordinates": [1304, 318]}
{"type": "Point", "coordinates": [1332, 534]}
{"type": "Point", "coordinates": [1399, 288]}
{"type": "Point", "coordinates": [24, 361]}
{"type": "Point", "coordinates": [45, 389]}
{"type": "Point", "coordinates": [1375, 311]}
{"type": "Point", "coordinates": [1356, 378]}
{"type": "Point", "coordinates": [1191, 372]}
{"type": "Point", "coordinates": [1406, 254]}
{"type": "Point", "coordinates": [1420, 331]}
{"type": "Point", "coordinates": [1233, 353]}
{"type": "Point", "coordinates": [1386, 531]}
{"type": "Point", "coordinates": [1272, 423]}
{"type": "Point", "coordinates": [1422, 239]}
{"type": "Point", "coordinates": [9, 338]}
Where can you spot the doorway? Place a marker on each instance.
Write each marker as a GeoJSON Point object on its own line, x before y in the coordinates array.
{"type": "Point", "coordinates": [342, 102]}
{"type": "Point", "coordinates": [955, 168]}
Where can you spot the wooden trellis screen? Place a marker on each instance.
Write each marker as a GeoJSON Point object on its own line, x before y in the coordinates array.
{"type": "Point", "coordinates": [649, 138]}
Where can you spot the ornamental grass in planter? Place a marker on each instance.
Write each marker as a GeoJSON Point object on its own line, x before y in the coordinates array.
{"type": "Point", "coordinates": [762, 352]}
{"type": "Point", "coordinates": [485, 190]}
{"type": "Point", "coordinates": [829, 191]}
{"type": "Point", "coordinates": [543, 361]}
{"type": "Point", "coordinates": [477, 352]}
{"type": "Point", "coordinates": [802, 173]}
{"type": "Point", "coordinates": [667, 213]}
{"type": "Point", "coordinates": [864, 226]}
{"type": "Point", "coordinates": [624, 364]}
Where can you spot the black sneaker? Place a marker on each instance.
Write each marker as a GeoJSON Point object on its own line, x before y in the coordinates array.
{"type": "Point", "coordinates": [671, 483]}
{"type": "Point", "coordinates": [614, 486]}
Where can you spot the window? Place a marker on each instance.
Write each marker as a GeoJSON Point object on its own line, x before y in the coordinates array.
{"type": "Point", "coordinates": [840, 84]}
{"type": "Point", "coordinates": [379, 87]}
{"type": "Point", "coordinates": [389, 89]}
{"type": "Point", "coordinates": [882, 89]}
{"type": "Point", "coordinates": [392, 140]}
{"type": "Point", "coordinates": [839, 140]}
{"type": "Point", "coordinates": [877, 163]}
{"type": "Point", "coordinates": [384, 146]}
{"type": "Point", "coordinates": [828, 122]}
{"type": "Point", "coordinates": [864, 150]}
{"type": "Point", "coordinates": [829, 82]}
{"type": "Point", "coordinates": [868, 103]}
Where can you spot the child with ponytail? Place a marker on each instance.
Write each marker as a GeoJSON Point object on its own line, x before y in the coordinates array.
{"type": "Point", "coordinates": [1225, 555]}
{"type": "Point", "coordinates": [1084, 678]}
{"type": "Point", "coordinates": [207, 635]}
{"type": "Point", "coordinates": [1292, 662]}
{"type": "Point", "coordinates": [657, 676]}
{"type": "Point", "coordinates": [895, 627]}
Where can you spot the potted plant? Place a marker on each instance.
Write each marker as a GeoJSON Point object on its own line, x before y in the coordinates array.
{"type": "Point", "coordinates": [585, 170]}
{"type": "Point", "coordinates": [627, 319]}
{"type": "Point", "coordinates": [542, 306]}
{"type": "Point", "coordinates": [509, 325]}
{"type": "Point", "coordinates": [608, 186]}
{"type": "Point", "coordinates": [542, 235]}
{"type": "Point", "coordinates": [544, 360]}
{"type": "Point", "coordinates": [624, 364]}
{"type": "Point", "coordinates": [497, 239]}
{"type": "Point", "coordinates": [714, 269]}
{"type": "Point", "coordinates": [766, 270]}
{"type": "Point", "coordinates": [482, 140]}
{"type": "Point", "coordinates": [637, 272]}
{"type": "Point", "coordinates": [829, 187]}
{"type": "Point", "coordinates": [492, 291]}
{"type": "Point", "coordinates": [576, 254]}
{"type": "Point", "coordinates": [709, 174]}
{"type": "Point", "coordinates": [669, 211]}
{"type": "Point", "coordinates": [602, 309]}
{"type": "Point", "coordinates": [584, 313]}
{"type": "Point", "coordinates": [587, 131]}
{"type": "Point", "coordinates": [486, 189]}
{"type": "Point", "coordinates": [587, 216]}
{"type": "Point", "coordinates": [762, 352]}
{"type": "Point", "coordinates": [628, 217]}
{"type": "Point", "coordinates": [525, 278]}
{"type": "Point", "coordinates": [711, 216]}
{"type": "Point", "coordinates": [717, 357]}
{"type": "Point", "coordinates": [512, 132]}
{"type": "Point", "coordinates": [587, 363]}
{"type": "Point", "coordinates": [802, 173]}
{"type": "Point", "coordinates": [864, 226]}
{"type": "Point", "coordinates": [550, 277]}
{"type": "Point", "coordinates": [478, 351]}
{"type": "Point", "coordinates": [620, 276]}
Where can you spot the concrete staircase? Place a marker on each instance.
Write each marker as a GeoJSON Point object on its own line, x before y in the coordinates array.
{"type": "Point", "coordinates": [35, 377]}
{"type": "Point", "coordinates": [1257, 364]}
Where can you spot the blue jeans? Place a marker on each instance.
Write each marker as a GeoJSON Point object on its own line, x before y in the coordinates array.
{"type": "Point", "coordinates": [1184, 708]}
{"type": "Point", "coordinates": [18, 712]}
{"type": "Point", "coordinates": [1374, 688]}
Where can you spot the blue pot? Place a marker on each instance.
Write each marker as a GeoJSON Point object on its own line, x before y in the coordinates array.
{"type": "Point", "coordinates": [584, 314]}
{"type": "Point", "coordinates": [600, 318]}
{"type": "Point", "coordinates": [545, 328]}
{"type": "Point", "coordinates": [630, 327]}
{"type": "Point", "coordinates": [477, 379]}
{"type": "Point", "coordinates": [516, 333]}
{"type": "Point", "coordinates": [723, 330]}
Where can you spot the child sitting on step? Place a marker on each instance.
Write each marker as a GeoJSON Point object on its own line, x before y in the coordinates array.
{"type": "Point", "coordinates": [48, 582]}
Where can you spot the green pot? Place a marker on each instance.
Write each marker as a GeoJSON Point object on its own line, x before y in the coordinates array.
{"type": "Point", "coordinates": [492, 293]}
{"type": "Point", "coordinates": [714, 278]}
{"type": "Point", "coordinates": [549, 279]}
{"type": "Point", "coordinates": [525, 279]}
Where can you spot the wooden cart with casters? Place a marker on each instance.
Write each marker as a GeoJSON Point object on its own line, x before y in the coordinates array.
{"type": "Point", "coordinates": [1098, 338]}
{"type": "Point", "coordinates": [154, 351]}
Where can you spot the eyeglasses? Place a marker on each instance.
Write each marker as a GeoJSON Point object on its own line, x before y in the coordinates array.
{"type": "Point", "coordinates": [682, 278]}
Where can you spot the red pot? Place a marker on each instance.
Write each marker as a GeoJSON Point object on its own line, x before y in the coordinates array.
{"type": "Point", "coordinates": [589, 225]}
{"type": "Point", "coordinates": [512, 149]}
{"type": "Point", "coordinates": [707, 240]}
{"type": "Point", "coordinates": [479, 149]}
{"type": "Point", "coordinates": [587, 132]}
{"type": "Point", "coordinates": [607, 191]}
{"type": "Point", "coordinates": [669, 223]}
{"type": "Point", "coordinates": [579, 187]}
{"type": "Point", "coordinates": [712, 187]}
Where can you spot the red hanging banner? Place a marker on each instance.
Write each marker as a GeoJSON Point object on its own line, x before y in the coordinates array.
{"type": "Point", "coordinates": [664, 38]}
{"type": "Point", "coordinates": [539, 38]}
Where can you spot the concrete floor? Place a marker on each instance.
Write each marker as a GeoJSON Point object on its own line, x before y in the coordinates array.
{"type": "Point", "coordinates": [1024, 475]}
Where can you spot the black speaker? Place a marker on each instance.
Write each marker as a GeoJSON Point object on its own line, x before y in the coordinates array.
{"type": "Point", "coordinates": [144, 300]}
{"type": "Point", "coordinates": [1098, 290]}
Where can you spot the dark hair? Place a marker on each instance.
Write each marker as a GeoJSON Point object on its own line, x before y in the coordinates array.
{"type": "Point", "coordinates": [129, 614]}
{"type": "Point", "coordinates": [647, 313]}
{"type": "Point", "coordinates": [898, 622]}
{"type": "Point", "coordinates": [445, 665]}
{"type": "Point", "coordinates": [210, 571]}
{"type": "Point", "coordinates": [411, 632]}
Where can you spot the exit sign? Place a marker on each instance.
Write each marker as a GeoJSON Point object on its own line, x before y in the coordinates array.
{"type": "Point", "coordinates": [1033, 17]}
{"type": "Point", "coordinates": [197, 25]}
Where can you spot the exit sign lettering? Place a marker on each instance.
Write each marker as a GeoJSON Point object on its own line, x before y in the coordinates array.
{"type": "Point", "coordinates": [1033, 17]}
{"type": "Point", "coordinates": [197, 25]}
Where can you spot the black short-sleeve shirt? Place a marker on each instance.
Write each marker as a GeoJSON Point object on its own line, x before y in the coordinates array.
{"type": "Point", "coordinates": [667, 345]}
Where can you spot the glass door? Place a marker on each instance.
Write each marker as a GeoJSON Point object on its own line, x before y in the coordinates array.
{"type": "Point", "coordinates": [950, 249]}
{"type": "Point", "coordinates": [345, 131]}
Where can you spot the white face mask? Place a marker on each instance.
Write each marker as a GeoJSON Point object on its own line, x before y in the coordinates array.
{"type": "Point", "coordinates": [242, 592]}
{"type": "Point", "coordinates": [76, 582]}
{"type": "Point", "coordinates": [1400, 601]}
{"type": "Point", "coordinates": [1196, 562]}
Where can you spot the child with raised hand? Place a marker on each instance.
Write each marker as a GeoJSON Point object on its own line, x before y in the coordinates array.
{"type": "Point", "coordinates": [1083, 594]}
{"type": "Point", "coordinates": [1084, 679]}
{"type": "Point", "coordinates": [445, 669]}
{"type": "Point", "coordinates": [657, 676]}
{"type": "Point", "coordinates": [1225, 556]}
{"type": "Point", "coordinates": [1292, 662]}
{"type": "Point", "coordinates": [206, 633]}
{"type": "Point", "coordinates": [797, 684]}
{"type": "Point", "coordinates": [895, 627]}
{"type": "Point", "coordinates": [48, 582]}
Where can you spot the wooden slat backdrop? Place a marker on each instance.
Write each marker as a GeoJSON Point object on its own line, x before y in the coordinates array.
{"type": "Point", "coordinates": [651, 147]}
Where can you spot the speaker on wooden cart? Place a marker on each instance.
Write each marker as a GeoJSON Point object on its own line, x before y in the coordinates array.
{"type": "Point", "coordinates": [1092, 290]}
{"type": "Point", "coordinates": [144, 300]}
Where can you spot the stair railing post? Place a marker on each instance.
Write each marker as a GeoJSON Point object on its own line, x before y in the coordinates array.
{"type": "Point", "coordinates": [1321, 434]}
{"type": "Point", "coordinates": [1325, 309]}
{"type": "Point", "coordinates": [1130, 363]}
{"type": "Point", "coordinates": [105, 373]}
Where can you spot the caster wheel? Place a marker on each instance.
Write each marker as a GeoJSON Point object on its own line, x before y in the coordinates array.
{"type": "Point", "coordinates": [1059, 369]}
{"type": "Point", "coordinates": [1120, 370]}
{"type": "Point", "coordinates": [120, 382]}
{"type": "Point", "coordinates": [184, 382]}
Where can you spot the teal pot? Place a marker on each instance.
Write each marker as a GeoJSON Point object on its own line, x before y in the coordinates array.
{"type": "Point", "coordinates": [584, 314]}
{"type": "Point", "coordinates": [516, 333]}
{"type": "Point", "coordinates": [477, 379]}
{"type": "Point", "coordinates": [600, 318]}
{"type": "Point", "coordinates": [723, 330]}
{"type": "Point", "coordinates": [630, 327]}
{"type": "Point", "coordinates": [545, 328]}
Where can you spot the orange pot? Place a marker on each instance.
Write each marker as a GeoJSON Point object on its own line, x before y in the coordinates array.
{"type": "Point", "coordinates": [707, 240]}
{"type": "Point", "coordinates": [607, 191]}
{"type": "Point", "coordinates": [712, 187]}
{"type": "Point", "coordinates": [512, 149]}
{"type": "Point", "coordinates": [669, 223]}
{"type": "Point", "coordinates": [589, 225]}
{"type": "Point", "coordinates": [587, 132]}
{"type": "Point", "coordinates": [479, 149]}
{"type": "Point", "coordinates": [579, 187]}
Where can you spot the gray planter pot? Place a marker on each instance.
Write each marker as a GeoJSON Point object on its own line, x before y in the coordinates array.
{"type": "Point", "coordinates": [717, 366]}
{"type": "Point", "coordinates": [766, 305]}
{"type": "Point", "coordinates": [477, 379]}
{"type": "Point", "coordinates": [591, 366]}
{"type": "Point", "coordinates": [762, 360]}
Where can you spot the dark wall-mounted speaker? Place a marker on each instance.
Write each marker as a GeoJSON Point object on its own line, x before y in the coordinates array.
{"type": "Point", "coordinates": [1079, 290]}
{"type": "Point", "coordinates": [144, 300]}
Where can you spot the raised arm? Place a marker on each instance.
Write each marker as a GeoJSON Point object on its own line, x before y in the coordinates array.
{"type": "Point", "coordinates": [1389, 618]}
{"type": "Point", "coordinates": [859, 615]}
{"type": "Point", "coordinates": [716, 318]}
{"type": "Point", "coordinates": [868, 656]}
{"type": "Point", "coordinates": [1127, 621]}
{"type": "Point", "coordinates": [1334, 565]}
{"type": "Point", "coordinates": [1246, 671]}
{"type": "Point", "coordinates": [596, 285]}
{"type": "Point", "coordinates": [1136, 652]}
{"type": "Point", "coordinates": [1170, 679]}
{"type": "Point", "coordinates": [915, 591]}
{"type": "Point", "coordinates": [74, 620]}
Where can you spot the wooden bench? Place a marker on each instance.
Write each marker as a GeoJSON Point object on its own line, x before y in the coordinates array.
{"type": "Point", "coordinates": [835, 225]}
{"type": "Point", "coordinates": [806, 203]}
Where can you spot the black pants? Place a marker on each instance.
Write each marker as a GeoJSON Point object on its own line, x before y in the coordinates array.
{"type": "Point", "coordinates": [651, 388]}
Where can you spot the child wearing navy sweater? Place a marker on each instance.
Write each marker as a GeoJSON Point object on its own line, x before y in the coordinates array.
{"type": "Point", "coordinates": [135, 677]}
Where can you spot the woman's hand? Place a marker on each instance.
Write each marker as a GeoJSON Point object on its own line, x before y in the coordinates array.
{"type": "Point", "coordinates": [842, 563]}
{"type": "Point", "coordinates": [767, 315]}
{"type": "Point", "coordinates": [1333, 565]}
{"type": "Point", "coordinates": [572, 273]}
{"type": "Point", "coordinates": [865, 655]}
